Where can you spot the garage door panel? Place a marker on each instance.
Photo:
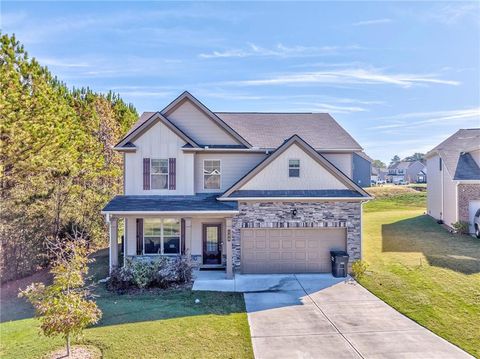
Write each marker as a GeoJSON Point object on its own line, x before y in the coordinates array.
{"type": "Point", "coordinates": [290, 250]}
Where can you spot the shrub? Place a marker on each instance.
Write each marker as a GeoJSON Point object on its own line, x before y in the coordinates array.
{"type": "Point", "coordinates": [358, 269]}
{"type": "Point", "coordinates": [162, 272]}
{"type": "Point", "coordinates": [461, 227]}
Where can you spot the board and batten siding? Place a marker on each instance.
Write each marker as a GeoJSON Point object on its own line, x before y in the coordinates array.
{"type": "Point", "coordinates": [198, 126]}
{"type": "Point", "coordinates": [159, 142]}
{"type": "Point", "coordinates": [233, 166]}
{"type": "Point", "coordinates": [275, 176]}
{"type": "Point", "coordinates": [343, 161]}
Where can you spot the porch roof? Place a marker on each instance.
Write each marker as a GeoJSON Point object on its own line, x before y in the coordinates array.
{"type": "Point", "coordinates": [200, 202]}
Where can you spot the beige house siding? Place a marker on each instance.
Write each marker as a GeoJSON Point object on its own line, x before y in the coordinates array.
{"type": "Point", "coordinates": [434, 188]}
{"type": "Point", "coordinates": [450, 208]}
{"type": "Point", "coordinates": [194, 244]}
{"type": "Point", "coordinates": [275, 175]}
{"type": "Point", "coordinates": [198, 126]}
{"type": "Point", "coordinates": [158, 142]}
{"type": "Point", "coordinates": [233, 167]}
{"type": "Point", "coordinates": [343, 161]}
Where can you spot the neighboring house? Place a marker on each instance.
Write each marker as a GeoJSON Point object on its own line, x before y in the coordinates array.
{"type": "Point", "coordinates": [362, 166]}
{"type": "Point", "coordinates": [378, 174]}
{"type": "Point", "coordinates": [453, 191]}
{"type": "Point", "coordinates": [248, 192]}
{"type": "Point", "coordinates": [408, 171]}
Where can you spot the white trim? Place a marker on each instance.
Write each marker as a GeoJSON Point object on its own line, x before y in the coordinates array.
{"type": "Point", "coordinates": [162, 238]}
{"type": "Point", "coordinates": [467, 181]}
{"type": "Point", "coordinates": [124, 149]}
{"type": "Point", "coordinates": [167, 212]}
{"type": "Point", "coordinates": [294, 198]}
{"type": "Point", "coordinates": [203, 174]}
{"type": "Point", "coordinates": [294, 168]}
{"type": "Point", "coordinates": [160, 174]}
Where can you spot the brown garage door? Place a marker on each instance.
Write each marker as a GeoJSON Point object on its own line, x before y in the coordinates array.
{"type": "Point", "coordinates": [290, 250]}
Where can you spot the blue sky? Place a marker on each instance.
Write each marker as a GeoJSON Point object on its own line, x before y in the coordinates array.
{"type": "Point", "coordinates": [400, 77]}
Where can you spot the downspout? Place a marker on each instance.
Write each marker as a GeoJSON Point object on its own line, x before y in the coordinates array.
{"type": "Point", "coordinates": [443, 189]}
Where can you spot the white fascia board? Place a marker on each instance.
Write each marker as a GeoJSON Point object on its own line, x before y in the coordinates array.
{"type": "Point", "coordinates": [360, 199]}
{"type": "Point", "coordinates": [467, 181]}
{"type": "Point", "coordinates": [224, 150]}
{"type": "Point", "coordinates": [168, 212]}
{"type": "Point", "coordinates": [124, 149]}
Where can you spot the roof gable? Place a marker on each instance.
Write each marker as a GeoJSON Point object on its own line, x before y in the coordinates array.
{"type": "Point", "coordinates": [325, 176]}
{"type": "Point", "coordinates": [144, 123]}
{"type": "Point", "coordinates": [210, 129]}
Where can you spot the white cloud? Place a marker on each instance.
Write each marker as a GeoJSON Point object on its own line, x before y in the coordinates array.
{"type": "Point", "coordinates": [280, 50]}
{"type": "Point", "coordinates": [421, 119]}
{"type": "Point", "coordinates": [453, 13]}
{"type": "Point", "coordinates": [69, 63]}
{"type": "Point", "coordinates": [372, 22]}
{"type": "Point", "coordinates": [349, 76]}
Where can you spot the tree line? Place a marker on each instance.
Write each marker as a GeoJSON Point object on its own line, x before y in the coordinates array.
{"type": "Point", "coordinates": [57, 166]}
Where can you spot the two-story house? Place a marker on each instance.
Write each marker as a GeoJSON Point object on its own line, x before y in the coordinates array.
{"type": "Point", "coordinates": [248, 192]}
{"type": "Point", "coordinates": [453, 191]}
{"type": "Point", "coordinates": [408, 171]}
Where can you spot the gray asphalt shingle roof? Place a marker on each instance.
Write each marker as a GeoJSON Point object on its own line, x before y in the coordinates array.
{"type": "Point", "coordinates": [270, 130]}
{"type": "Point", "coordinates": [467, 168]}
{"type": "Point", "coordinates": [152, 203]}
{"type": "Point", "coordinates": [452, 149]}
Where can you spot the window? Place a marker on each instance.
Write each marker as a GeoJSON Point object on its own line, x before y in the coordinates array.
{"type": "Point", "coordinates": [211, 174]}
{"type": "Point", "coordinates": [161, 236]}
{"type": "Point", "coordinates": [440, 164]}
{"type": "Point", "coordinates": [294, 168]}
{"type": "Point", "coordinates": [159, 174]}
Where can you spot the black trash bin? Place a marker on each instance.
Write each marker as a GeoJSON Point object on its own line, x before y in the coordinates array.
{"type": "Point", "coordinates": [339, 263]}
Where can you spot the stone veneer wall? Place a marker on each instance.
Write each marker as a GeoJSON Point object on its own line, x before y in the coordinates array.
{"type": "Point", "coordinates": [466, 193]}
{"type": "Point", "coordinates": [309, 215]}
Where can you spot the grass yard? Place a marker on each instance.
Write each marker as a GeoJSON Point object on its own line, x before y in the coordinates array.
{"type": "Point", "coordinates": [420, 269]}
{"type": "Point", "coordinates": [166, 325]}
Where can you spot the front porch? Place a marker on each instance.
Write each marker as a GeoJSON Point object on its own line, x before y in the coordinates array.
{"type": "Point", "coordinates": [187, 225]}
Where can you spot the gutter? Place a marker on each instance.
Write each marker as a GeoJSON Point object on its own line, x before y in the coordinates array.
{"type": "Point", "coordinates": [360, 199]}
{"type": "Point", "coordinates": [108, 213]}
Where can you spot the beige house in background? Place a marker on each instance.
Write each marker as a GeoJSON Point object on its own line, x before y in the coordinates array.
{"type": "Point", "coordinates": [242, 192]}
{"type": "Point", "coordinates": [453, 190]}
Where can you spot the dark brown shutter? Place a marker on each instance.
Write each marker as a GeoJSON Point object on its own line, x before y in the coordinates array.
{"type": "Point", "coordinates": [146, 173]}
{"type": "Point", "coordinates": [182, 236]}
{"type": "Point", "coordinates": [172, 173]}
{"type": "Point", "coordinates": [139, 236]}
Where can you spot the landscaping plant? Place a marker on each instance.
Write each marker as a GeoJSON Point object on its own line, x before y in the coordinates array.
{"type": "Point", "coordinates": [461, 227]}
{"type": "Point", "coordinates": [62, 307]}
{"type": "Point", "coordinates": [358, 269]}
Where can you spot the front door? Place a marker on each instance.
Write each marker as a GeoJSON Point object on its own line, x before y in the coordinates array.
{"type": "Point", "coordinates": [212, 244]}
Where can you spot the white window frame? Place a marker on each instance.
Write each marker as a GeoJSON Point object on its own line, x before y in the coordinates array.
{"type": "Point", "coordinates": [299, 167]}
{"type": "Point", "coordinates": [219, 175]}
{"type": "Point", "coordinates": [162, 236]}
{"type": "Point", "coordinates": [159, 174]}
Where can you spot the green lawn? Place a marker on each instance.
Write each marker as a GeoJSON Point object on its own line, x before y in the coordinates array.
{"type": "Point", "coordinates": [420, 269]}
{"type": "Point", "coordinates": [166, 325]}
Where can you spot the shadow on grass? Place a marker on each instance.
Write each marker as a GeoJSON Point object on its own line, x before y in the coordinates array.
{"type": "Point", "coordinates": [459, 253]}
{"type": "Point", "coordinates": [128, 308]}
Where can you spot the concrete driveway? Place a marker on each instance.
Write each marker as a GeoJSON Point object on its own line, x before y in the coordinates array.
{"type": "Point", "coordinates": [318, 316]}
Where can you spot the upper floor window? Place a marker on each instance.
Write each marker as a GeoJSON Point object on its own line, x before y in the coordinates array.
{"type": "Point", "coordinates": [294, 168]}
{"type": "Point", "coordinates": [211, 174]}
{"type": "Point", "coordinates": [440, 164]}
{"type": "Point", "coordinates": [159, 173]}
{"type": "Point", "coordinates": [161, 236]}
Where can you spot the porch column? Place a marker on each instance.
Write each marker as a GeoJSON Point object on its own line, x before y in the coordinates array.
{"type": "Point", "coordinates": [188, 236]}
{"type": "Point", "coordinates": [228, 245]}
{"type": "Point", "coordinates": [113, 229]}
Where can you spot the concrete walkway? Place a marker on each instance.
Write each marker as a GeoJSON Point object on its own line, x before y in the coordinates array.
{"type": "Point", "coordinates": [318, 316]}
